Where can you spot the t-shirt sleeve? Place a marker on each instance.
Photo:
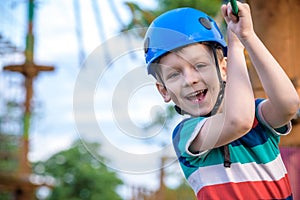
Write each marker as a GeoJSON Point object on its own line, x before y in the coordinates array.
{"type": "Point", "coordinates": [284, 130]}
{"type": "Point", "coordinates": [184, 134]}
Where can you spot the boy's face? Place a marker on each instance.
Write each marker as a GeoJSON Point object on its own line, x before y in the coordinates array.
{"type": "Point", "coordinates": [190, 79]}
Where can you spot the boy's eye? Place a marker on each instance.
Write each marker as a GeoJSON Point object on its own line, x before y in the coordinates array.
{"type": "Point", "coordinates": [198, 66]}
{"type": "Point", "coordinates": [173, 75]}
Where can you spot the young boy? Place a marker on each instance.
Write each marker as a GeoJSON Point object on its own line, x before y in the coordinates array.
{"type": "Point", "coordinates": [228, 146]}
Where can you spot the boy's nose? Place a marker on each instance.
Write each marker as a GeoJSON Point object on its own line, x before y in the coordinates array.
{"type": "Point", "coordinates": [192, 76]}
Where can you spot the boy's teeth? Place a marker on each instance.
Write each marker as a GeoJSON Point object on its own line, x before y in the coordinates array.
{"type": "Point", "coordinates": [196, 93]}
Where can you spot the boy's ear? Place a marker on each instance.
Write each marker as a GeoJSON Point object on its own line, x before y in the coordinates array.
{"type": "Point", "coordinates": [163, 92]}
{"type": "Point", "coordinates": [223, 68]}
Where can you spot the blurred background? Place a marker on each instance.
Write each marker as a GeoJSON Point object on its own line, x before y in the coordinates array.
{"type": "Point", "coordinates": [44, 46]}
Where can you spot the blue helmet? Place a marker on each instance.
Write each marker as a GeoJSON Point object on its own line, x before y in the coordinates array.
{"type": "Point", "coordinates": [177, 28]}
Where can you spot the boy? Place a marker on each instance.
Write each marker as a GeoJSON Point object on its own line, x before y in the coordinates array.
{"type": "Point", "coordinates": [228, 146]}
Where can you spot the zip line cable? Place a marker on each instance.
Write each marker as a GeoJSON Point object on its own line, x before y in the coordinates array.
{"type": "Point", "coordinates": [78, 30]}
{"type": "Point", "coordinates": [99, 23]}
{"type": "Point", "coordinates": [114, 10]}
{"type": "Point", "coordinates": [98, 16]}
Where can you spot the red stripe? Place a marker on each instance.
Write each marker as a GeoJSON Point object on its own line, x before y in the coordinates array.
{"type": "Point", "coordinates": [247, 190]}
{"type": "Point", "coordinates": [255, 122]}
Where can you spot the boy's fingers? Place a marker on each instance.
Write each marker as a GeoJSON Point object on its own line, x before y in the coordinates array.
{"type": "Point", "coordinates": [230, 15]}
{"type": "Point", "coordinates": [224, 12]}
{"type": "Point", "coordinates": [223, 7]}
{"type": "Point", "coordinates": [229, 9]}
{"type": "Point", "coordinates": [233, 17]}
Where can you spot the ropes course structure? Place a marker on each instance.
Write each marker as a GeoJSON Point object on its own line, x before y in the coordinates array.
{"type": "Point", "coordinates": [17, 89]}
{"type": "Point", "coordinates": [18, 181]}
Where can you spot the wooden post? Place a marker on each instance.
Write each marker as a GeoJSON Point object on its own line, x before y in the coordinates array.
{"type": "Point", "coordinates": [276, 22]}
{"type": "Point", "coordinates": [23, 188]}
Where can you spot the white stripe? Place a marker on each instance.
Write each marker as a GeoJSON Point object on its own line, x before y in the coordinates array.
{"type": "Point", "coordinates": [192, 137]}
{"type": "Point", "coordinates": [264, 122]}
{"type": "Point", "coordinates": [238, 172]}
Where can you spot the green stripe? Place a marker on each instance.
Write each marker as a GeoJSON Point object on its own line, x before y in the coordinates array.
{"type": "Point", "coordinates": [214, 157]}
{"type": "Point", "coordinates": [260, 154]}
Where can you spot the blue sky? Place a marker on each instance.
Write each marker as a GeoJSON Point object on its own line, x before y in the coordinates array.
{"type": "Point", "coordinates": [75, 93]}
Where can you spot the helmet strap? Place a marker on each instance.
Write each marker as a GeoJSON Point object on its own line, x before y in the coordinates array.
{"type": "Point", "coordinates": [227, 159]}
{"type": "Point", "coordinates": [221, 82]}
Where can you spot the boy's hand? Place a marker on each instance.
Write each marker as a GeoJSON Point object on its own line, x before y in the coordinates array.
{"type": "Point", "coordinates": [242, 25]}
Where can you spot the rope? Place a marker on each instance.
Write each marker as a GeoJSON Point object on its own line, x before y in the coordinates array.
{"type": "Point", "coordinates": [98, 17]}
{"type": "Point", "coordinates": [78, 29]}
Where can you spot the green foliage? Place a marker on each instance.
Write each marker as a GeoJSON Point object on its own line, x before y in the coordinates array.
{"type": "Point", "coordinates": [6, 195]}
{"type": "Point", "coordinates": [78, 175]}
{"type": "Point", "coordinates": [142, 17]}
{"type": "Point", "coordinates": [211, 7]}
{"type": "Point", "coordinates": [8, 153]}
{"type": "Point", "coordinates": [10, 136]}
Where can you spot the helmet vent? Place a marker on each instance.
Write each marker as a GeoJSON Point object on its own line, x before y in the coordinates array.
{"type": "Point", "coordinates": [205, 22]}
{"type": "Point", "coordinates": [146, 44]}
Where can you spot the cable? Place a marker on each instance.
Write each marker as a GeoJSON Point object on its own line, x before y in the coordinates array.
{"type": "Point", "coordinates": [98, 17]}
{"type": "Point", "coordinates": [78, 29]}
{"type": "Point", "coordinates": [113, 6]}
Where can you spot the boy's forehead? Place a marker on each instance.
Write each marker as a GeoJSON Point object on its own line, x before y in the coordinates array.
{"type": "Point", "coordinates": [190, 53]}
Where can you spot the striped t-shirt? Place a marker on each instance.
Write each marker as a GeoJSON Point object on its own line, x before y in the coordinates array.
{"type": "Point", "coordinates": [257, 170]}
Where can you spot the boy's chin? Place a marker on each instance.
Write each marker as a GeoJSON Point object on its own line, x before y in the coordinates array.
{"type": "Point", "coordinates": [198, 113]}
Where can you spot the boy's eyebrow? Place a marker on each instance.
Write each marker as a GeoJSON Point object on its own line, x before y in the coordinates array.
{"type": "Point", "coordinates": [195, 60]}
{"type": "Point", "coordinates": [199, 58]}
{"type": "Point", "coordinates": [168, 68]}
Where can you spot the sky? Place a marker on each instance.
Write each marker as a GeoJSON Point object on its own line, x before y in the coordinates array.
{"type": "Point", "coordinates": [103, 99]}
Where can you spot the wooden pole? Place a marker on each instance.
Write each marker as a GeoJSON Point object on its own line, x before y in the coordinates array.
{"type": "Point", "coordinates": [276, 22]}
{"type": "Point", "coordinates": [30, 71]}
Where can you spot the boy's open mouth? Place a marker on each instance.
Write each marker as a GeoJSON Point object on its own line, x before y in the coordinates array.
{"type": "Point", "coordinates": [197, 96]}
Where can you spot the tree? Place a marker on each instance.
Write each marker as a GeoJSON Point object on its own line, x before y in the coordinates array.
{"type": "Point", "coordinates": [211, 7]}
{"type": "Point", "coordinates": [142, 17]}
{"type": "Point", "coordinates": [78, 175]}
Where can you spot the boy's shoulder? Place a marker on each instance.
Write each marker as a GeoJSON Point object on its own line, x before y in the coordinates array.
{"type": "Point", "coordinates": [187, 124]}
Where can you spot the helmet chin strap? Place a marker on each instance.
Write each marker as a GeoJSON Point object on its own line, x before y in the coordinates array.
{"type": "Point", "coordinates": [221, 82]}
{"type": "Point", "coordinates": [227, 160]}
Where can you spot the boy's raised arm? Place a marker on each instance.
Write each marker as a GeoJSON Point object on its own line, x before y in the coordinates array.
{"type": "Point", "coordinates": [237, 116]}
{"type": "Point", "coordinates": [283, 100]}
